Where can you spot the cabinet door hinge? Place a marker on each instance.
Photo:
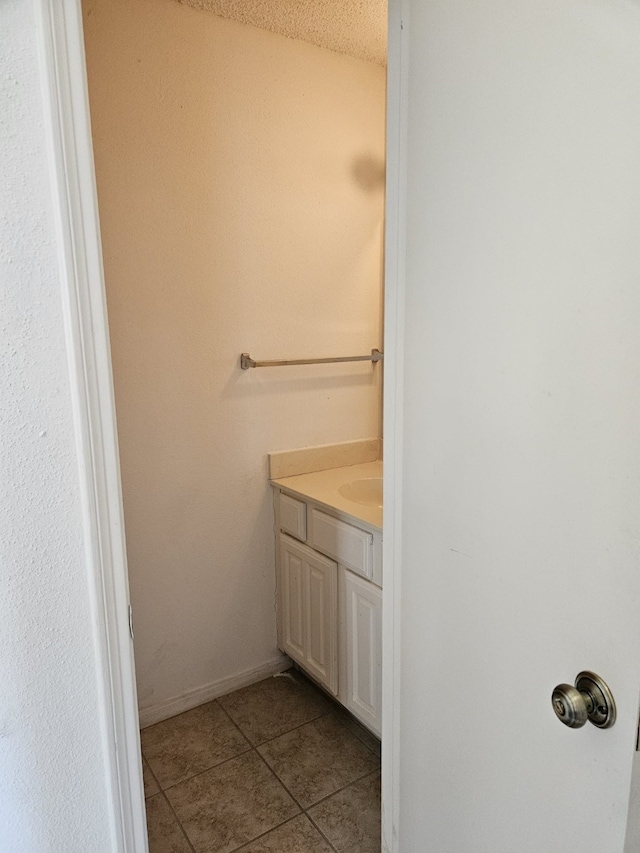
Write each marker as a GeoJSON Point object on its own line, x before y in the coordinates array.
{"type": "Point", "coordinates": [131, 621]}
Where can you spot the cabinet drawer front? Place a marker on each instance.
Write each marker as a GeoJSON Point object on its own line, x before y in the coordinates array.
{"type": "Point", "coordinates": [293, 517]}
{"type": "Point", "coordinates": [347, 544]}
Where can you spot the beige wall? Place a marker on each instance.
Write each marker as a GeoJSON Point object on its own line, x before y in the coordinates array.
{"type": "Point", "coordinates": [241, 210]}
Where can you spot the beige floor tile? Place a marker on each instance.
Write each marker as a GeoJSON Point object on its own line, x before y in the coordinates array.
{"type": "Point", "coordinates": [150, 784]}
{"type": "Point", "coordinates": [318, 758]}
{"type": "Point", "coordinates": [231, 804]}
{"type": "Point", "coordinates": [350, 819]}
{"type": "Point", "coordinates": [165, 835]}
{"type": "Point", "coordinates": [275, 706]}
{"type": "Point", "coordinates": [297, 836]}
{"type": "Point", "coordinates": [190, 743]}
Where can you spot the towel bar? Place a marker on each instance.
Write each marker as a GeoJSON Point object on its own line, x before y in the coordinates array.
{"type": "Point", "coordinates": [246, 361]}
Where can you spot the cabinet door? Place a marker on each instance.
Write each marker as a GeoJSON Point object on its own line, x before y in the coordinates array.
{"type": "Point", "coordinates": [291, 601]}
{"type": "Point", "coordinates": [308, 610]}
{"type": "Point", "coordinates": [361, 644]}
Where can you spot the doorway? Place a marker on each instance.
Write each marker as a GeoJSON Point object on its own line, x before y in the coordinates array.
{"type": "Point", "coordinates": [161, 325]}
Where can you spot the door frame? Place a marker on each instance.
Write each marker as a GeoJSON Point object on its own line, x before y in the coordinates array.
{"type": "Point", "coordinates": [79, 253]}
{"type": "Point", "coordinates": [75, 207]}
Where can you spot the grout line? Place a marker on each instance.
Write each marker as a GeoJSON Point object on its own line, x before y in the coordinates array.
{"type": "Point", "coordinates": [328, 797]}
{"type": "Point", "coordinates": [304, 810]}
{"type": "Point", "coordinates": [271, 770]}
{"type": "Point", "coordinates": [320, 832]}
{"type": "Point", "coordinates": [295, 728]}
{"type": "Point", "coordinates": [168, 802]}
{"type": "Point", "coordinates": [179, 822]}
{"type": "Point", "coordinates": [174, 717]}
{"type": "Point", "coordinates": [248, 748]}
{"type": "Point", "coordinates": [337, 791]}
{"type": "Point", "coordinates": [183, 830]}
{"type": "Point", "coordinates": [262, 835]}
{"type": "Point", "coordinates": [233, 722]}
{"type": "Point", "coordinates": [213, 767]}
{"type": "Point", "coordinates": [344, 788]}
{"type": "Point", "coordinates": [264, 742]}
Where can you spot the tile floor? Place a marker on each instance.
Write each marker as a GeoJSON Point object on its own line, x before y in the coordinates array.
{"type": "Point", "coordinates": [276, 767]}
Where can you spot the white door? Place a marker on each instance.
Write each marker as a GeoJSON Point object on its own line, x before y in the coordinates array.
{"type": "Point", "coordinates": [519, 447]}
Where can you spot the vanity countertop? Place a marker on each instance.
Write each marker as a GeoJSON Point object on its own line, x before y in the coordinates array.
{"type": "Point", "coordinates": [323, 488]}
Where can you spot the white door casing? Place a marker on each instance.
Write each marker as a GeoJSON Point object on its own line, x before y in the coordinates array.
{"type": "Point", "coordinates": [74, 204]}
{"type": "Point", "coordinates": [517, 453]}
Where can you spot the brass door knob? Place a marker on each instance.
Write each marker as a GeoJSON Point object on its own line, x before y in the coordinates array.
{"type": "Point", "coordinates": [590, 699]}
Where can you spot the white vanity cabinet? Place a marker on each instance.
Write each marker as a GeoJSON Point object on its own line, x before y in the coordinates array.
{"type": "Point", "coordinates": [329, 578]}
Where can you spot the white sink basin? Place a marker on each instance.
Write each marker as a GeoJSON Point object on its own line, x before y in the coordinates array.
{"type": "Point", "coordinates": [367, 491]}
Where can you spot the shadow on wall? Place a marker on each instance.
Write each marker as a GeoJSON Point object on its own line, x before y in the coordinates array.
{"type": "Point", "coordinates": [369, 172]}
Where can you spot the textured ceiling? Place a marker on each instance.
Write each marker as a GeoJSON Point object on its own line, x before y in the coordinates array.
{"type": "Point", "coordinates": [356, 27]}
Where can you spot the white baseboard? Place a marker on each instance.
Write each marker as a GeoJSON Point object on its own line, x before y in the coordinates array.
{"type": "Point", "coordinates": [208, 692]}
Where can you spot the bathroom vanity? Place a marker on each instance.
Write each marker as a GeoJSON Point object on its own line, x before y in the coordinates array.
{"type": "Point", "coordinates": [329, 580]}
